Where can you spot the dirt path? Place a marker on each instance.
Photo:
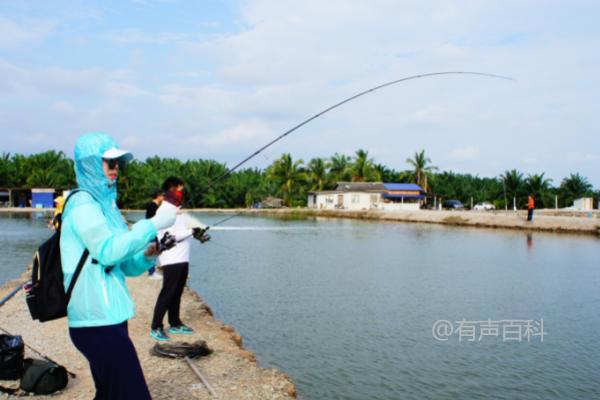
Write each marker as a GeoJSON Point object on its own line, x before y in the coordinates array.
{"type": "Point", "coordinates": [231, 370]}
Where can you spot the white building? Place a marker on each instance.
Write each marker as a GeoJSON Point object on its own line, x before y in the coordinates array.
{"type": "Point", "coordinates": [368, 196]}
{"type": "Point", "coordinates": [584, 204]}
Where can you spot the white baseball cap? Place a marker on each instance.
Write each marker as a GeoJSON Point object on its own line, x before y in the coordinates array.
{"type": "Point", "coordinates": [117, 153]}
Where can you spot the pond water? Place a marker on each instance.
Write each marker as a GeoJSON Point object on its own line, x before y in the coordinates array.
{"type": "Point", "coordinates": [347, 308]}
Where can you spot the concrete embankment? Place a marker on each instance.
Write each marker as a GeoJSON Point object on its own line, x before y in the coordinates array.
{"type": "Point", "coordinates": [231, 370]}
{"type": "Point", "coordinates": [544, 220]}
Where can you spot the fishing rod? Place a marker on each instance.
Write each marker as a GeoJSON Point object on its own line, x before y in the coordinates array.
{"type": "Point", "coordinates": [72, 374]}
{"type": "Point", "coordinates": [349, 99]}
{"type": "Point", "coordinates": [225, 220]}
{"type": "Point", "coordinates": [11, 294]}
{"type": "Point", "coordinates": [330, 108]}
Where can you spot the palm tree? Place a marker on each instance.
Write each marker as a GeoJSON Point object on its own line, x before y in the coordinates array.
{"type": "Point", "coordinates": [339, 168]}
{"type": "Point", "coordinates": [539, 187]}
{"type": "Point", "coordinates": [317, 168]}
{"type": "Point", "coordinates": [6, 170]}
{"type": "Point", "coordinates": [287, 174]}
{"type": "Point", "coordinates": [383, 173]}
{"type": "Point", "coordinates": [50, 169]}
{"type": "Point", "coordinates": [363, 167]}
{"type": "Point", "coordinates": [405, 176]}
{"type": "Point", "coordinates": [574, 187]}
{"type": "Point", "coordinates": [422, 168]}
{"type": "Point", "coordinates": [513, 185]}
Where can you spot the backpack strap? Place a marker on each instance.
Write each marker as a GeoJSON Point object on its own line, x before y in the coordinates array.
{"type": "Point", "coordinates": [8, 390]}
{"type": "Point", "coordinates": [73, 192]}
{"type": "Point", "coordinates": [80, 265]}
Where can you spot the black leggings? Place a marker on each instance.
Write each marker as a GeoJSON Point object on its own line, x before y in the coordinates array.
{"type": "Point", "coordinates": [169, 299]}
{"type": "Point", "coordinates": [114, 363]}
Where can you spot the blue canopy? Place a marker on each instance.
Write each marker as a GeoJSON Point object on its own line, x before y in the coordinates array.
{"type": "Point", "coordinates": [402, 186]}
{"type": "Point", "coordinates": [406, 196]}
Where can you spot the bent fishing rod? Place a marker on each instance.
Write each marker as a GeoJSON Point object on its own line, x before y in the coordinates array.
{"type": "Point", "coordinates": [11, 294]}
{"type": "Point", "coordinates": [328, 109]}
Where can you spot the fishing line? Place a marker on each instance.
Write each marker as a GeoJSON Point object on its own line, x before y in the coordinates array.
{"type": "Point", "coordinates": [227, 248]}
{"type": "Point", "coordinates": [6, 299]}
{"type": "Point", "coordinates": [226, 219]}
{"type": "Point", "coordinates": [306, 121]}
{"type": "Point", "coordinates": [39, 353]}
{"type": "Point", "coordinates": [328, 109]}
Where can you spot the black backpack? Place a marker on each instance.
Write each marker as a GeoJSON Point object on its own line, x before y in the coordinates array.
{"type": "Point", "coordinates": [12, 352]}
{"type": "Point", "coordinates": [46, 296]}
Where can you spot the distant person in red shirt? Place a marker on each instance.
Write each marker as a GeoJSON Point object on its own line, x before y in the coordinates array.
{"type": "Point", "coordinates": [530, 208]}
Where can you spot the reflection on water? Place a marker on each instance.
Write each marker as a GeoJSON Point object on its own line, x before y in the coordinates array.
{"type": "Point", "coordinates": [20, 236]}
{"type": "Point", "coordinates": [347, 307]}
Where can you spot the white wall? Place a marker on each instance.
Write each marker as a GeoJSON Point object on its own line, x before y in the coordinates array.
{"type": "Point", "coordinates": [347, 201]}
{"type": "Point", "coordinates": [361, 201]}
{"type": "Point", "coordinates": [584, 204]}
{"type": "Point", "coordinates": [357, 201]}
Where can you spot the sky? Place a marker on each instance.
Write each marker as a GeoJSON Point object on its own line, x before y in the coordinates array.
{"type": "Point", "coordinates": [217, 79]}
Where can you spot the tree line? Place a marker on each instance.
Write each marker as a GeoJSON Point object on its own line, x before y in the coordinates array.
{"type": "Point", "coordinates": [291, 180]}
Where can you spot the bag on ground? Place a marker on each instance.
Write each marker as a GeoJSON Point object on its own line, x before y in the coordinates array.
{"type": "Point", "coordinates": [43, 377]}
{"type": "Point", "coordinates": [12, 352]}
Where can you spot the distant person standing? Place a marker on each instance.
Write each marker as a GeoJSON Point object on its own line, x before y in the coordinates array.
{"type": "Point", "coordinates": [158, 195]}
{"type": "Point", "coordinates": [54, 223]}
{"type": "Point", "coordinates": [175, 263]}
{"type": "Point", "coordinates": [530, 208]}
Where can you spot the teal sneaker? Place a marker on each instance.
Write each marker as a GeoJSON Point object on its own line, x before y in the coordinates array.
{"type": "Point", "coordinates": [181, 329]}
{"type": "Point", "coordinates": [159, 334]}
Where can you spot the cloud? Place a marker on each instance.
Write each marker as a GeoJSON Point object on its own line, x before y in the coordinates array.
{"type": "Point", "coordinates": [130, 141]}
{"type": "Point", "coordinates": [207, 98]}
{"type": "Point", "coordinates": [25, 82]}
{"type": "Point", "coordinates": [135, 36]}
{"type": "Point", "coordinates": [149, 2]}
{"type": "Point", "coordinates": [264, 66]}
{"type": "Point", "coordinates": [467, 153]}
{"type": "Point", "coordinates": [582, 157]}
{"type": "Point", "coordinates": [244, 134]}
{"type": "Point", "coordinates": [14, 34]}
{"type": "Point", "coordinates": [63, 107]}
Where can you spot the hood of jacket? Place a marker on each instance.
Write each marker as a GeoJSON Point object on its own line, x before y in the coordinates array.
{"type": "Point", "coordinates": [90, 174]}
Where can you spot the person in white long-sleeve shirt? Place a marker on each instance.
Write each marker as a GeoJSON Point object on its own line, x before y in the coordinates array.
{"type": "Point", "coordinates": [175, 263]}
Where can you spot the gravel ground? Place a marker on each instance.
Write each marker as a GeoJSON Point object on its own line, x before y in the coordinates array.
{"type": "Point", "coordinates": [230, 369]}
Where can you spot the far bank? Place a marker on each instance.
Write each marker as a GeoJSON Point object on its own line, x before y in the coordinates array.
{"type": "Point", "coordinates": [546, 220]}
{"type": "Point", "coordinates": [557, 221]}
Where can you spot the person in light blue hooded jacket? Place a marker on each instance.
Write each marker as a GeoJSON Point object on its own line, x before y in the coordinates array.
{"type": "Point", "coordinates": [100, 304]}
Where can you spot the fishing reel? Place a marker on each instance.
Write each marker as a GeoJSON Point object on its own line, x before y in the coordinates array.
{"type": "Point", "coordinates": [200, 234]}
{"type": "Point", "coordinates": [167, 242]}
